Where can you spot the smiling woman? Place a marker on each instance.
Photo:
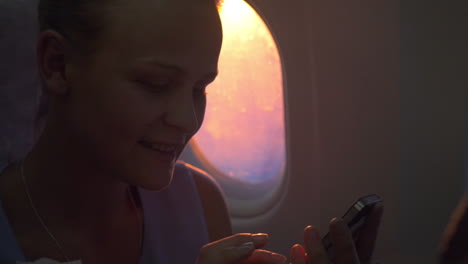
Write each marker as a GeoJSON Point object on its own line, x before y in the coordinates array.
{"type": "Point", "coordinates": [124, 92]}
{"type": "Point", "coordinates": [125, 85]}
{"type": "Point", "coordinates": [103, 170]}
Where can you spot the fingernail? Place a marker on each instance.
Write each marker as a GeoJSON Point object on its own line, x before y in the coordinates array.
{"type": "Point", "coordinates": [277, 258]}
{"type": "Point", "coordinates": [246, 247]}
{"type": "Point", "coordinates": [260, 237]}
{"type": "Point", "coordinates": [297, 252]}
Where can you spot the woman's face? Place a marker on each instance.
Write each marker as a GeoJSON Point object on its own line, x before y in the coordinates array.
{"type": "Point", "coordinates": [145, 86]}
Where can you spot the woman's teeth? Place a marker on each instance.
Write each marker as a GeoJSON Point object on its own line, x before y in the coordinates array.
{"type": "Point", "coordinates": [160, 147]}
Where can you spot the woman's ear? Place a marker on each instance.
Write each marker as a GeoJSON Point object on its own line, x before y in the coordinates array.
{"type": "Point", "coordinates": [51, 57]}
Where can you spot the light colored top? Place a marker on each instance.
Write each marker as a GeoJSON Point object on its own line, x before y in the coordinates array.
{"type": "Point", "coordinates": [174, 224]}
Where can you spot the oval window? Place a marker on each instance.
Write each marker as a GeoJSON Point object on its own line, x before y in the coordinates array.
{"type": "Point", "coordinates": [242, 140]}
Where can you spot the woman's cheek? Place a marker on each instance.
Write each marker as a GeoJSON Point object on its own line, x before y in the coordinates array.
{"type": "Point", "coordinates": [130, 118]}
{"type": "Point", "coordinates": [200, 109]}
{"type": "Point", "coordinates": [118, 125]}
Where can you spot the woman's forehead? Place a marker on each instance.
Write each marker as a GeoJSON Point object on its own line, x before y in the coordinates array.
{"type": "Point", "coordinates": [167, 27]}
{"type": "Point", "coordinates": [165, 16]}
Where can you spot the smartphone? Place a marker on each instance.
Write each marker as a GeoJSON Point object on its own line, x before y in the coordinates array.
{"type": "Point", "coordinates": [355, 217]}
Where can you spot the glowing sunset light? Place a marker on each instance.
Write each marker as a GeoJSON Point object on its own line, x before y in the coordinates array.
{"type": "Point", "coordinates": [243, 135]}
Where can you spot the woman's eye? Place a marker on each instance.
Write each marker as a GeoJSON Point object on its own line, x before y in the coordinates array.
{"type": "Point", "coordinates": [156, 87]}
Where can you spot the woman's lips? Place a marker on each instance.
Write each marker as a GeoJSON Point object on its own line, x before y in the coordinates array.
{"type": "Point", "coordinates": [161, 155]}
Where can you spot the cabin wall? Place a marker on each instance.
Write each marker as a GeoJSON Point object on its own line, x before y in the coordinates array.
{"type": "Point", "coordinates": [375, 98]}
{"type": "Point", "coordinates": [341, 63]}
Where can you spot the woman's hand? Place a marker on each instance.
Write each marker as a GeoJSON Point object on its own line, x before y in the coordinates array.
{"type": "Point", "coordinates": [239, 249]}
{"type": "Point", "coordinates": [346, 250]}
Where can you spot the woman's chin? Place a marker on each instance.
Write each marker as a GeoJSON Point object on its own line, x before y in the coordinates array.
{"type": "Point", "coordinates": [150, 174]}
{"type": "Point", "coordinates": [156, 181]}
{"type": "Point", "coordinates": [157, 185]}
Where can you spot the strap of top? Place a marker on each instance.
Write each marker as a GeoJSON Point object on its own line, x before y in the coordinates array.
{"type": "Point", "coordinates": [175, 227]}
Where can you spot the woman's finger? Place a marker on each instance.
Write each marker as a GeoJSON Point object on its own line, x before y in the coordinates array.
{"type": "Point", "coordinates": [343, 244]}
{"type": "Point", "coordinates": [260, 256]}
{"type": "Point", "coordinates": [368, 234]}
{"type": "Point", "coordinates": [259, 240]}
{"type": "Point", "coordinates": [298, 255]}
{"type": "Point", "coordinates": [313, 245]}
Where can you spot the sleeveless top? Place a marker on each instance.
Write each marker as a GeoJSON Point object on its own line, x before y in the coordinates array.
{"type": "Point", "coordinates": [174, 224]}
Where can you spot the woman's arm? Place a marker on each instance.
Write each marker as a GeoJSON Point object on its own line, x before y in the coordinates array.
{"type": "Point", "coordinates": [216, 212]}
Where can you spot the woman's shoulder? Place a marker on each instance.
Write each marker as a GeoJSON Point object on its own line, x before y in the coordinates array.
{"type": "Point", "coordinates": [200, 176]}
{"type": "Point", "coordinates": [213, 201]}
{"type": "Point", "coordinates": [206, 184]}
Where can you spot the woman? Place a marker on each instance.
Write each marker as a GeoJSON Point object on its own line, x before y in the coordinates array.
{"type": "Point", "coordinates": [126, 86]}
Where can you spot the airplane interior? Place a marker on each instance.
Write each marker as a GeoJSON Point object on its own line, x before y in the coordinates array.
{"type": "Point", "coordinates": [317, 103]}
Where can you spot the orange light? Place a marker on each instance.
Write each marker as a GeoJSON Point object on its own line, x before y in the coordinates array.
{"type": "Point", "coordinates": [243, 133]}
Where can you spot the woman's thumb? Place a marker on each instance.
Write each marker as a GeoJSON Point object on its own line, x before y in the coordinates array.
{"type": "Point", "coordinates": [237, 253]}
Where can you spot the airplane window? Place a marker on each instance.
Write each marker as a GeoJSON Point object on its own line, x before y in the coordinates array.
{"type": "Point", "coordinates": [242, 140]}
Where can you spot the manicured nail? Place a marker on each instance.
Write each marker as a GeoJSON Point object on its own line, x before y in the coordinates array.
{"type": "Point", "coordinates": [297, 252]}
{"type": "Point", "coordinates": [260, 237]}
{"type": "Point", "coordinates": [277, 258]}
{"type": "Point", "coordinates": [246, 247]}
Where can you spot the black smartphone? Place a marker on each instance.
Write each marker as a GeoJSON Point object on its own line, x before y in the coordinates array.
{"type": "Point", "coordinates": [355, 217]}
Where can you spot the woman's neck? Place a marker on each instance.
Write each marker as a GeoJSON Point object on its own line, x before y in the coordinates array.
{"type": "Point", "coordinates": [68, 187]}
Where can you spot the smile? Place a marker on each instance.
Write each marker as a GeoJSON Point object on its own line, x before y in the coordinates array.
{"type": "Point", "coordinates": [163, 152]}
{"type": "Point", "coordinates": [159, 147]}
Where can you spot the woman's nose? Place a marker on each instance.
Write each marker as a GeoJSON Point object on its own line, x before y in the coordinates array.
{"type": "Point", "coordinates": [182, 114]}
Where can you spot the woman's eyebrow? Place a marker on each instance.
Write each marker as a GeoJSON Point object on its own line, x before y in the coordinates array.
{"type": "Point", "coordinates": [211, 76]}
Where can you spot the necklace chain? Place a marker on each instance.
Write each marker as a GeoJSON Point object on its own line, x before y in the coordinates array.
{"type": "Point", "coordinates": [139, 221]}
{"type": "Point", "coordinates": [50, 233]}
{"type": "Point", "coordinates": [38, 216]}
